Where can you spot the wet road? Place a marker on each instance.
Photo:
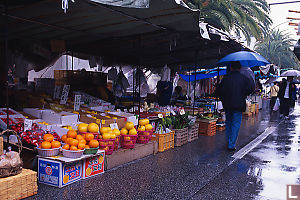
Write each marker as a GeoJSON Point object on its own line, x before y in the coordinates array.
{"type": "Point", "coordinates": [267, 159]}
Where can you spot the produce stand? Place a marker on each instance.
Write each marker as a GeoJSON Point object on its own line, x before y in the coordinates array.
{"type": "Point", "coordinates": [60, 171]}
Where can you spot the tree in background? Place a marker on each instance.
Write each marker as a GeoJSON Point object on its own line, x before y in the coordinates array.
{"type": "Point", "coordinates": [276, 48]}
{"type": "Point", "coordinates": [243, 17]}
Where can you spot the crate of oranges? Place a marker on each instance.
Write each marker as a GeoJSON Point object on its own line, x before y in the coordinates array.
{"type": "Point", "coordinates": [49, 146]}
{"type": "Point", "coordinates": [128, 136]}
{"type": "Point", "coordinates": [145, 131]}
{"type": "Point", "coordinates": [107, 139]}
{"type": "Point", "coordinates": [75, 144]}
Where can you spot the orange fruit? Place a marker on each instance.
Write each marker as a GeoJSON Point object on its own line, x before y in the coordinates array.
{"type": "Point", "coordinates": [93, 128]}
{"type": "Point", "coordinates": [46, 145]}
{"type": "Point", "coordinates": [73, 148]}
{"type": "Point", "coordinates": [82, 141]}
{"type": "Point", "coordinates": [82, 127]}
{"type": "Point", "coordinates": [48, 137]}
{"type": "Point", "coordinates": [87, 147]}
{"type": "Point", "coordinates": [148, 127]}
{"type": "Point", "coordinates": [69, 140]}
{"type": "Point", "coordinates": [102, 143]}
{"type": "Point", "coordinates": [81, 146]}
{"type": "Point", "coordinates": [72, 134]}
{"type": "Point", "coordinates": [66, 147]}
{"type": "Point", "coordinates": [79, 137]}
{"type": "Point", "coordinates": [89, 136]}
{"type": "Point", "coordinates": [83, 135]}
{"type": "Point", "coordinates": [124, 131]}
{"type": "Point", "coordinates": [110, 142]}
{"type": "Point", "coordinates": [94, 144]}
{"type": "Point", "coordinates": [129, 125]}
{"type": "Point", "coordinates": [64, 138]}
{"type": "Point", "coordinates": [55, 144]}
{"type": "Point", "coordinates": [132, 132]}
{"type": "Point", "coordinates": [74, 142]}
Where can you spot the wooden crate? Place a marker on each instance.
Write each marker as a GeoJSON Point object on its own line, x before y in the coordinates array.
{"type": "Point", "coordinates": [193, 132]}
{"type": "Point", "coordinates": [19, 186]}
{"type": "Point", "coordinates": [208, 128]}
{"type": "Point", "coordinates": [181, 136]}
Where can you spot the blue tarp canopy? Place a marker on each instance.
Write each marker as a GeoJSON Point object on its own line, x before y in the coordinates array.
{"type": "Point", "coordinates": [202, 76]}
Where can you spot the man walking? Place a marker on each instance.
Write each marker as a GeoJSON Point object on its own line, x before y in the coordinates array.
{"type": "Point", "coordinates": [273, 94]}
{"type": "Point", "coordinates": [233, 91]}
{"type": "Point", "coordinates": [285, 94]}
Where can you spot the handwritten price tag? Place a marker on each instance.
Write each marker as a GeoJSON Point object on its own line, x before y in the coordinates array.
{"type": "Point", "coordinates": [114, 126]}
{"type": "Point", "coordinates": [77, 102]}
{"type": "Point", "coordinates": [27, 124]}
{"type": "Point", "coordinates": [65, 94]}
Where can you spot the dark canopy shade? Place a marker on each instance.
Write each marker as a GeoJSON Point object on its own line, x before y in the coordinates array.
{"type": "Point", "coordinates": [165, 33]}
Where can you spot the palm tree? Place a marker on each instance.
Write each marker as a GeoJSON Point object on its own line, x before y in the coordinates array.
{"type": "Point", "coordinates": [276, 48]}
{"type": "Point", "coordinates": [243, 17]}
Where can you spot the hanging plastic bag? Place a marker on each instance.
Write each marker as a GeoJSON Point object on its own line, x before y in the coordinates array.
{"type": "Point", "coordinates": [165, 73]}
{"type": "Point", "coordinates": [112, 74]}
{"type": "Point", "coordinates": [277, 105]}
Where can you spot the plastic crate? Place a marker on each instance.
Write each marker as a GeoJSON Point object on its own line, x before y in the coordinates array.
{"type": "Point", "coordinates": [107, 144]}
{"type": "Point", "coordinates": [144, 136]}
{"type": "Point", "coordinates": [193, 132]}
{"type": "Point", "coordinates": [117, 143]}
{"type": "Point", "coordinates": [128, 141]}
{"type": "Point", "coordinates": [207, 128]}
{"type": "Point", "coordinates": [181, 136]}
{"type": "Point", "coordinates": [165, 141]}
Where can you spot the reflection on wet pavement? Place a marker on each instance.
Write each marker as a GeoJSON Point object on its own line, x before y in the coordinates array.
{"type": "Point", "coordinates": [204, 169]}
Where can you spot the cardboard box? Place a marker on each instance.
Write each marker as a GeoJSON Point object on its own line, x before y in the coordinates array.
{"type": "Point", "coordinates": [62, 131]}
{"type": "Point", "coordinates": [101, 118]}
{"type": "Point", "coordinates": [57, 173]}
{"type": "Point", "coordinates": [93, 166]}
{"type": "Point", "coordinates": [36, 112]}
{"type": "Point", "coordinates": [63, 118]}
{"type": "Point", "coordinates": [129, 117]}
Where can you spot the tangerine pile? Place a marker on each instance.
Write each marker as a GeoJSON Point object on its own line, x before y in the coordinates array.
{"type": "Point", "coordinates": [75, 142]}
{"type": "Point", "coordinates": [49, 142]}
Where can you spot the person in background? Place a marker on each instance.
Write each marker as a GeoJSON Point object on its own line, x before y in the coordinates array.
{"type": "Point", "coordinates": [164, 92]}
{"type": "Point", "coordinates": [178, 95]}
{"type": "Point", "coordinates": [273, 94]}
{"type": "Point", "coordinates": [285, 94]}
{"type": "Point", "coordinates": [233, 91]}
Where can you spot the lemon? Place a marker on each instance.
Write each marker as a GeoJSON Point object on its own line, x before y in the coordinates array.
{"type": "Point", "coordinates": [148, 127]}
{"type": "Point", "coordinates": [132, 131]}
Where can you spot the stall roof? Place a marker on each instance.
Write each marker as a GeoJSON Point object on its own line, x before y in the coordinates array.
{"type": "Point", "coordinates": [164, 33]}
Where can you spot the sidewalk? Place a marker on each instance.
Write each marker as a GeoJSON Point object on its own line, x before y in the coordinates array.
{"type": "Point", "coordinates": [202, 169]}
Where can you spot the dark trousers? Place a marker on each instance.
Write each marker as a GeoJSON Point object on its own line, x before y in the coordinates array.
{"type": "Point", "coordinates": [272, 102]}
{"type": "Point", "coordinates": [285, 106]}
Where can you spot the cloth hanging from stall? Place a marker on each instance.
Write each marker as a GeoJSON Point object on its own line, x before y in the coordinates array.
{"type": "Point", "coordinates": [165, 73]}
{"type": "Point", "coordinates": [120, 85]}
{"type": "Point", "coordinates": [112, 74]}
{"type": "Point", "coordinates": [125, 3]}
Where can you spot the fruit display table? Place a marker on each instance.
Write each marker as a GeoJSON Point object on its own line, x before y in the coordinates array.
{"type": "Point", "coordinates": [60, 171]}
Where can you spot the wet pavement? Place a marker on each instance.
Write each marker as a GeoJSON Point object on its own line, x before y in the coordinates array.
{"type": "Point", "coordinates": [204, 169]}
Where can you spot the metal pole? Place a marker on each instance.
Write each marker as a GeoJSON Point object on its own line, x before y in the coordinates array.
{"type": "Point", "coordinates": [133, 91]}
{"type": "Point", "coordinates": [72, 61]}
{"type": "Point", "coordinates": [7, 68]}
{"type": "Point", "coordinates": [195, 70]}
{"type": "Point", "coordinates": [139, 98]}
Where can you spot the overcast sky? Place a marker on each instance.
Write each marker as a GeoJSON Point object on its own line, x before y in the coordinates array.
{"type": "Point", "coordinates": [279, 13]}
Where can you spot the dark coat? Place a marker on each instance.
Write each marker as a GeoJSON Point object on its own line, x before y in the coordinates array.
{"type": "Point", "coordinates": [282, 87]}
{"type": "Point", "coordinates": [233, 91]}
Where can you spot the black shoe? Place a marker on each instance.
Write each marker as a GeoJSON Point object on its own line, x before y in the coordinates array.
{"type": "Point", "coordinates": [231, 149]}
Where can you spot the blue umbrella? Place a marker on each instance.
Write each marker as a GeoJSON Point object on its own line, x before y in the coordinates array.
{"type": "Point", "coordinates": [246, 58]}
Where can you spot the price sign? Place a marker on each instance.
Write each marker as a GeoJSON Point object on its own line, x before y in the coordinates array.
{"type": "Point", "coordinates": [93, 166]}
{"type": "Point", "coordinates": [114, 126]}
{"type": "Point", "coordinates": [65, 94]}
{"type": "Point", "coordinates": [27, 124]}
{"type": "Point", "coordinates": [77, 102]}
{"type": "Point", "coordinates": [173, 113]}
{"type": "Point", "coordinates": [56, 92]}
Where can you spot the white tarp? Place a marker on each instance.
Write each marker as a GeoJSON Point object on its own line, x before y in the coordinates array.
{"type": "Point", "coordinates": [125, 3]}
